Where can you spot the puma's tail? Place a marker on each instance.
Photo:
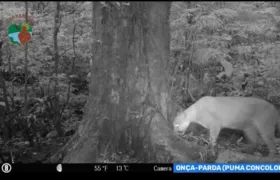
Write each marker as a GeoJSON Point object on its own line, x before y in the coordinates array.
{"type": "Point", "coordinates": [277, 131]}
{"type": "Point", "coordinates": [278, 127]}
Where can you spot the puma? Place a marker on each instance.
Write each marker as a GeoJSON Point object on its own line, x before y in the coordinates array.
{"type": "Point", "coordinates": [251, 115]}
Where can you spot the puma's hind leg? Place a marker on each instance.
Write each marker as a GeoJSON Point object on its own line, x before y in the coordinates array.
{"type": "Point", "coordinates": [251, 135]}
{"type": "Point", "coordinates": [268, 135]}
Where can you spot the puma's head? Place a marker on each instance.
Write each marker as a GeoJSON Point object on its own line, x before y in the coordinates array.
{"type": "Point", "coordinates": [180, 123]}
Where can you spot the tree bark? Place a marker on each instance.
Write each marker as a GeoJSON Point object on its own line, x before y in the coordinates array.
{"type": "Point", "coordinates": [57, 121]}
{"type": "Point", "coordinates": [129, 107]}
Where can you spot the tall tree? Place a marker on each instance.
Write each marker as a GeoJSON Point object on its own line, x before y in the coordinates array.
{"type": "Point", "coordinates": [26, 66]}
{"type": "Point", "coordinates": [57, 23]}
{"type": "Point", "coordinates": [129, 85]}
{"type": "Point", "coordinates": [26, 129]}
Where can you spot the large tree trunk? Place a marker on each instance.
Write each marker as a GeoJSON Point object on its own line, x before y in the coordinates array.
{"type": "Point", "coordinates": [129, 108]}
{"type": "Point", "coordinates": [57, 23]}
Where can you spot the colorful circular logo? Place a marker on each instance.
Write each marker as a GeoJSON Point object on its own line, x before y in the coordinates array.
{"type": "Point", "coordinates": [20, 33]}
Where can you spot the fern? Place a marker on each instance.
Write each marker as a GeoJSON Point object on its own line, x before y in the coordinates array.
{"type": "Point", "coordinates": [226, 13]}
{"type": "Point", "coordinates": [245, 6]}
{"type": "Point", "coordinates": [253, 28]}
{"type": "Point", "coordinates": [244, 50]}
{"type": "Point", "coordinates": [205, 55]}
{"type": "Point", "coordinates": [210, 22]}
{"type": "Point", "coordinates": [267, 11]}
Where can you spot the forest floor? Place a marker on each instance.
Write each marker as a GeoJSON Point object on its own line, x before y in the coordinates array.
{"type": "Point", "coordinates": [228, 140]}
{"type": "Point", "coordinates": [18, 150]}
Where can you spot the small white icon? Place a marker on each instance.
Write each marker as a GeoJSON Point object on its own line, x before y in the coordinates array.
{"type": "Point", "coordinates": [59, 167]}
{"type": "Point", "coordinates": [6, 168]}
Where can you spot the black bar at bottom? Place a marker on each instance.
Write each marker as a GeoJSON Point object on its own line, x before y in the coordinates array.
{"type": "Point", "coordinates": [95, 168]}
